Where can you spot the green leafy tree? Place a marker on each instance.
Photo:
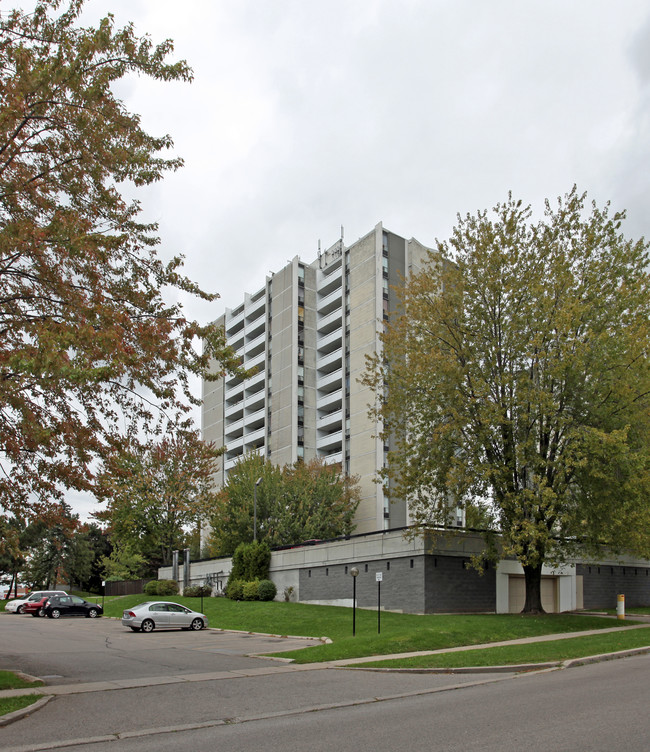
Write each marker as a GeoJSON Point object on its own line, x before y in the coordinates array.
{"type": "Point", "coordinates": [17, 539]}
{"type": "Point", "coordinates": [89, 342]}
{"type": "Point", "coordinates": [100, 546]}
{"type": "Point", "coordinates": [123, 563]}
{"type": "Point", "coordinates": [156, 493]}
{"type": "Point", "coordinates": [515, 380]}
{"type": "Point", "coordinates": [57, 552]}
{"type": "Point", "coordinates": [303, 501]}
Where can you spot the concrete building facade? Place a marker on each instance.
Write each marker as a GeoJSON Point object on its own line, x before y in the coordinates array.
{"type": "Point", "coordinates": [308, 331]}
{"type": "Point", "coordinates": [426, 574]}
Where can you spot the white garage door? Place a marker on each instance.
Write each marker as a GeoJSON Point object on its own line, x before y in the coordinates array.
{"type": "Point", "coordinates": [517, 594]}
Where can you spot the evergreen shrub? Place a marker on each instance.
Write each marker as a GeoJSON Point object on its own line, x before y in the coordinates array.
{"type": "Point", "coordinates": [266, 590]}
{"type": "Point", "coordinates": [167, 587]}
{"type": "Point", "coordinates": [249, 591]}
{"type": "Point", "coordinates": [234, 589]}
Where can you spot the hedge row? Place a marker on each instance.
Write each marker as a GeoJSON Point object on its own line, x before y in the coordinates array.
{"type": "Point", "coordinates": [255, 590]}
{"type": "Point", "coordinates": [161, 587]}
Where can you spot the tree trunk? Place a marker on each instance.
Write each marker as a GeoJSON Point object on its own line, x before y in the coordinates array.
{"type": "Point", "coordinates": [533, 576]}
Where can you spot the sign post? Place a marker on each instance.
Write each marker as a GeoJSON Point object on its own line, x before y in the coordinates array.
{"type": "Point", "coordinates": [379, 577]}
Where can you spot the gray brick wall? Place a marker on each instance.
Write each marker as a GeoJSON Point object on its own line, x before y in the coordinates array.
{"type": "Point", "coordinates": [417, 584]}
{"type": "Point", "coordinates": [452, 586]}
{"type": "Point", "coordinates": [601, 585]}
{"type": "Point", "coordinates": [402, 586]}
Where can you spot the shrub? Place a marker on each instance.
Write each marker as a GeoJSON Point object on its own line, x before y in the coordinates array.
{"type": "Point", "coordinates": [249, 591]}
{"type": "Point", "coordinates": [167, 587]}
{"type": "Point", "coordinates": [288, 592]}
{"type": "Point", "coordinates": [251, 561]}
{"type": "Point", "coordinates": [234, 590]}
{"type": "Point", "coordinates": [196, 591]}
{"type": "Point", "coordinates": [266, 590]}
{"type": "Point", "coordinates": [151, 588]}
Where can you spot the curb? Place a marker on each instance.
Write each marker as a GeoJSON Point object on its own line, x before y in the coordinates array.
{"type": "Point", "coordinates": [5, 720]}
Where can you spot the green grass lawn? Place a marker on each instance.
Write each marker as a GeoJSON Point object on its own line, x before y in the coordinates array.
{"type": "Point", "coordinates": [10, 680]}
{"type": "Point", "coordinates": [10, 704]}
{"type": "Point", "coordinates": [400, 633]}
{"type": "Point", "coordinates": [540, 652]}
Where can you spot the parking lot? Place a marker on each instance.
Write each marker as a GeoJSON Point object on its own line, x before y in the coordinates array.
{"type": "Point", "coordinates": [75, 649]}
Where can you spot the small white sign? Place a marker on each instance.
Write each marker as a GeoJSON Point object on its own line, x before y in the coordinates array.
{"type": "Point", "coordinates": [379, 576]}
{"type": "Point", "coordinates": [103, 583]}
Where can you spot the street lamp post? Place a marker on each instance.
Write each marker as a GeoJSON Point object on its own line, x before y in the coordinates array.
{"type": "Point", "coordinates": [257, 482]}
{"type": "Point", "coordinates": [355, 573]}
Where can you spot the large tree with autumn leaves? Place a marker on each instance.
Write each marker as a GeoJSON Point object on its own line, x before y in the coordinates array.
{"type": "Point", "coordinates": [515, 380]}
{"type": "Point", "coordinates": [90, 344]}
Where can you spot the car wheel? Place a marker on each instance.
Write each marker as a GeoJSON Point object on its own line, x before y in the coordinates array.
{"type": "Point", "coordinates": [148, 626]}
{"type": "Point", "coordinates": [41, 612]}
{"type": "Point", "coordinates": [135, 629]}
{"type": "Point", "coordinates": [20, 610]}
{"type": "Point", "coordinates": [55, 613]}
{"type": "Point", "coordinates": [93, 613]}
{"type": "Point", "coordinates": [197, 624]}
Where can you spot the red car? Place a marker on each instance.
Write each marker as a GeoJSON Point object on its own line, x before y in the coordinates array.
{"type": "Point", "coordinates": [36, 608]}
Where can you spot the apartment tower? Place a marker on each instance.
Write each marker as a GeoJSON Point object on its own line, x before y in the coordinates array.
{"type": "Point", "coordinates": [308, 331]}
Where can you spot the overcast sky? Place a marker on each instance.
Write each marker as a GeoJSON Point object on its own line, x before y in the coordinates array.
{"type": "Point", "coordinates": [307, 116]}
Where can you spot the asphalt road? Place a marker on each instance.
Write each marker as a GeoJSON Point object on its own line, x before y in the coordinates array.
{"type": "Point", "coordinates": [261, 704]}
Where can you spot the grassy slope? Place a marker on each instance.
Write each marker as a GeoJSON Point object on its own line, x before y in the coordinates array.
{"type": "Point", "coordinates": [399, 632]}
{"type": "Point", "coordinates": [540, 652]}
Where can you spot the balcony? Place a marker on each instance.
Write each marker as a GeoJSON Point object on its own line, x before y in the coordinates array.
{"type": "Point", "coordinates": [330, 442]}
{"type": "Point", "coordinates": [235, 410]}
{"type": "Point", "coordinates": [235, 446]}
{"type": "Point", "coordinates": [255, 439]}
{"type": "Point", "coordinates": [330, 362]}
{"type": "Point", "coordinates": [256, 345]}
{"type": "Point", "coordinates": [255, 386]}
{"type": "Point", "coordinates": [327, 283]}
{"type": "Point", "coordinates": [335, 458]}
{"type": "Point", "coordinates": [255, 420]}
{"type": "Point", "coordinates": [237, 343]}
{"type": "Point", "coordinates": [329, 322]}
{"type": "Point", "coordinates": [330, 382]}
{"type": "Point", "coordinates": [330, 401]}
{"type": "Point", "coordinates": [232, 459]}
{"type": "Point", "coordinates": [330, 302]}
{"type": "Point", "coordinates": [330, 342]}
{"type": "Point", "coordinates": [256, 361]}
{"type": "Point", "coordinates": [255, 311]}
{"type": "Point", "coordinates": [234, 430]}
{"type": "Point", "coordinates": [235, 321]}
{"type": "Point", "coordinates": [330, 421]}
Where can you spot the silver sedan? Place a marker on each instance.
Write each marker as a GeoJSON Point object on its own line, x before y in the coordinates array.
{"type": "Point", "coordinates": [152, 615]}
